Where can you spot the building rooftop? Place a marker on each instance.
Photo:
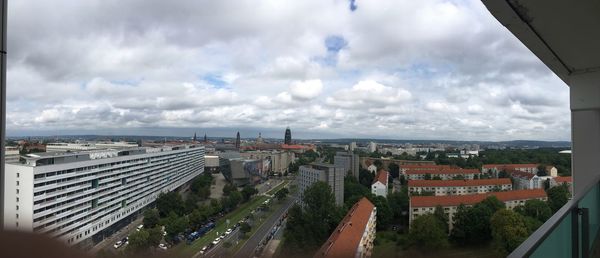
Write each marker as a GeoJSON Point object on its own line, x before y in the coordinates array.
{"type": "Point", "coordinates": [509, 166]}
{"type": "Point", "coordinates": [382, 177]}
{"type": "Point", "coordinates": [443, 171]}
{"type": "Point", "coordinates": [424, 167]}
{"type": "Point", "coordinates": [521, 174]}
{"type": "Point", "coordinates": [455, 200]}
{"type": "Point", "coordinates": [442, 183]}
{"type": "Point", "coordinates": [345, 239]}
{"type": "Point", "coordinates": [563, 179]}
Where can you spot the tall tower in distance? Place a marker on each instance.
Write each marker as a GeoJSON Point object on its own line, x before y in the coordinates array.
{"type": "Point", "coordinates": [288, 136]}
{"type": "Point", "coordinates": [194, 139]}
{"type": "Point", "coordinates": [205, 138]}
{"type": "Point", "coordinates": [238, 141]}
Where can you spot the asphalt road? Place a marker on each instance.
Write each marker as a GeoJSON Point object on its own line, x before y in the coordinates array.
{"type": "Point", "coordinates": [248, 249]}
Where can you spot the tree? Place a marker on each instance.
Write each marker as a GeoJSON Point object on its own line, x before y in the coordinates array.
{"type": "Point", "coordinates": [169, 202]}
{"type": "Point", "coordinates": [394, 170]}
{"type": "Point", "coordinates": [175, 224]}
{"type": "Point", "coordinates": [427, 232]}
{"type": "Point", "coordinates": [472, 225]}
{"type": "Point", "coordinates": [247, 192]}
{"type": "Point", "coordinates": [282, 194]}
{"type": "Point", "coordinates": [508, 231]}
{"type": "Point", "coordinates": [537, 209]}
{"type": "Point", "coordinates": [154, 236]}
{"type": "Point", "coordinates": [138, 241]}
{"type": "Point", "coordinates": [399, 202]}
{"type": "Point", "coordinates": [365, 177]}
{"type": "Point", "coordinates": [228, 189]}
{"type": "Point", "coordinates": [245, 227]}
{"type": "Point", "coordinates": [231, 201]}
{"type": "Point", "coordinates": [378, 163]}
{"type": "Point", "coordinates": [441, 216]}
{"type": "Point", "coordinates": [384, 213]}
{"type": "Point", "coordinates": [436, 177]}
{"type": "Point", "coordinates": [558, 196]}
{"type": "Point", "coordinates": [191, 203]}
{"type": "Point", "coordinates": [542, 170]}
{"type": "Point", "coordinates": [503, 174]}
{"type": "Point", "coordinates": [427, 176]}
{"type": "Point", "coordinates": [309, 226]}
{"type": "Point", "coordinates": [197, 218]}
{"type": "Point", "coordinates": [151, 218]}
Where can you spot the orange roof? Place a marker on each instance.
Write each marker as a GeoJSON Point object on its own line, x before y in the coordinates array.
{"type": "Point", "coordinates": [439, 183]}
{"type": "Point", "coordinates": [424, 167]}
{"type": "Point", "coordinates": [444, 171]}
{"type": "Point", "coordinates": [293, 147]}
{"type": "Point", "coordinates": [345, 239]}
{"type": "Point", "coordinates": [382, 177]}
{"type": "Point", "coordinates": [563, 179]}
{"type": "Point", "coordinates": [455, 200]}
{"type": "Point", "coordinates": [509, 166]}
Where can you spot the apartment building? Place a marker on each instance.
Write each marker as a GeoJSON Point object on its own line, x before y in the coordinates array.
{"type": "Point", "coordinates": [459, 187]}
{"type": "Point", "coordinates": [421, 167]}
{"type": "Point", "coordinates": [420, 205]}
{"type": "Point", "coordinates": [380, 183]}
{"type": "Point", "coordinates": [444, 173]}
{"type": "Point", "coordinates": [279, 160]}
{"type": "Point", "coordinates": [331, 174]}
{"type": "Point", "coordinates": [348, 161]}
{"type": "Point", "coordinates": [562, 180]}
{"type": "Point", "coordinates": [494, 169]}
{"type": "Point", "coordinates": [526, 180]}
{"type": "Point", "coordinates": [73, 196]}
{"type": "Point", "coordinates": [355, 234]}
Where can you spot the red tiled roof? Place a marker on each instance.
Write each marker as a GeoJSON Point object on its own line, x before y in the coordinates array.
{"type": "Point", "coordinates": [440, 183]}
{"type": "Point", "coordinates": [563, 179]}
{"type": "Point", "coordinates": [521, 174]}
{"type": "Point", "coordinates": [444, 171]}
{"type": "Point", "coordinates": [509, 166]}
{"type": "Point", "coordinates": [424, 167]}
{"type": "Point", "coordinates": [345, 239]}
{"type": "Point", "coordinates": [455, 200]}
{"type": "Point", "coordinates": [293, 147]}
{"type": "Point", "coordinates": [382, 177]}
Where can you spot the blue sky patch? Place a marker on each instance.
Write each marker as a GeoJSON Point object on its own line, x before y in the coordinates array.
{"type": "Point", "coordinates": [335, 43]}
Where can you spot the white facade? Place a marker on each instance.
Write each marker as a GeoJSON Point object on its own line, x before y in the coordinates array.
{"type": "Point", "coordinates": [280, 160]}
{"type": "Point", "coordinates": [372, 168]}
{"type": "Point", "coordinates": [460, 190]}
{"type": "Point", "coordinates": [332, 175]}
{"type": "Point", "coordinates": [372, 147]}
{"type": "Point", "coordinates": [379, 189]}
{"type": "Point", "coordinates": [72, 196]}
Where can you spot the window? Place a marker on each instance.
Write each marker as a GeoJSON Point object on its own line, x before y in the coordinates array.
{"type": "Point", "coordinates": [17, 191]}
{"type": "Point", "coordinates": [17, 207]}
{"type": "Point", "coordinates": [17, 199]}
{"type": "Point", "coordinates": [18, 175]}
{"type": "Point", "coordinates": [17, 182]}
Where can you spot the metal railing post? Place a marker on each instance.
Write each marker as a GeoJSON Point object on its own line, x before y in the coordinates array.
{"type": "Point", "coordinates": [585, 232]}
{"type": "Point", "coordinates": [575, 233]}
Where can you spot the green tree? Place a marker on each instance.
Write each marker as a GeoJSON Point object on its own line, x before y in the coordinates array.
{"type": "Point", "coordinates": [282, 194]}
{"type": "Point", "coordinates": [441, 216]}
{"type": "Point", "coordinates": [245, 227]}
{"type": "Point", "coordinates": [138, 241]}
{"type": "Point", "coordinates": [503, 174]}
{"type": "Point", "coordinates": [472, 224]}
{"type": "Point", "coordinates": [175, 224]}
{"type": "Point", "coordinates": [394, 170]}
{"type": "Point", "coordinates": [247, 192]}
{"type": "Point", "coordinates": [365, 177]}
{"type": "Point", "coordinates": [191, 203]}
{"type": "Point", "coordinates": [169, 202]}
{"type": "Point", "coordinates": [427, 232]}
{"type": "Point", "coordinates": [508, 231]}
{"type": "Point", "coordinates": [384, 212]}
{"type": "Point", "coordinates": [197, 218]}
{"type": "Point", "coordinates": [537, 209]}
{"type": "Point", "coordinates": [154, 236]}
{"type": "Point", "coordinates": [151, 218]}
{"type": "Point", "coordinates": [542, 170]}
{"type": "Point", "coordinates": [558, 196]}
{"type": "Point", "coordinates": [436, 177]}
{"type": "Point", "coordinates": [228, 189]}
{"type": "Point", "coordinates": [427, 176]}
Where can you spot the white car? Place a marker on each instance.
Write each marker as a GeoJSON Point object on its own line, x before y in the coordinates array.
{"type": "Point", "coordinates": [228, 231]}
{"type": "Point", "coordinates": [162, 246]}
{"type": "Point", "coordinates": [203, 249]}
{"type": "Point", "coordinates": [139, 227]}
{"type": "Point", "coordinates": [222, 236]}
{"type": "Point", "coordinates": [216, 241]}
{"type": "Point", "coordinates": [118, 244]}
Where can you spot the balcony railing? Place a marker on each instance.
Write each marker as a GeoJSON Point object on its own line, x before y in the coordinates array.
{"type": "Point", "coordinates": [571, 232]}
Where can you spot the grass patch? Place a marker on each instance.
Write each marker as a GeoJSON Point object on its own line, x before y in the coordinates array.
{"type": "Point", "coordinates": [279, 187]}
{"type": "Point", "coordinates": [185, 250]}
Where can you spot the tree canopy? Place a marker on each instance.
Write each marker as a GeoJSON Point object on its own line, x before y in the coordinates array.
{"type": "Point", "coordinates": [558, 196]}
{"type": "Point", "coordinates": [427, 232]}
{"type": "Point", "coordinates": [508, 231]}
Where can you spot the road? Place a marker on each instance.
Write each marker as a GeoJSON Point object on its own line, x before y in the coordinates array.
{"type": "Point", "coordinates": [248, 249]}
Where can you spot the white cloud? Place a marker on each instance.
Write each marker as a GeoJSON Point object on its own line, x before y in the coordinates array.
{"type": "Point", "coordinates": [305, 90]}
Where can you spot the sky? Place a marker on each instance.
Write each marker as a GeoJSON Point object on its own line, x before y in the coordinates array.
{"type": "Point", "coordinates": [394, 69]}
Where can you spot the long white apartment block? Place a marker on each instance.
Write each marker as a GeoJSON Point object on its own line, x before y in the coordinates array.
{"type": "Point", "coordinates": [74, 195]}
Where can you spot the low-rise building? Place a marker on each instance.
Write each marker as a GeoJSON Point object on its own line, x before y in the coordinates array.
{"type": "Point", "coordinates": [380, 183]}
{"type": "Point", "coordinates": [559, 180]}
{"type": "Point", "coordinates": [444, 173]}
{"type": "Point", "coordinates": [11, 154]}
{"type": "Point", "coordinates": [494, 169]}
{"type": "Point", "coordinates": [421, 167]}
{"type": "Point", "coordinates": [328, 173]}
{"type": "Point", "coordinates": [459, 187]}
{"type": "Point", "coordinates": [354, 236]}
{"type": "Point", "coordinates": [211, 163]}
{"type": "Point", "coordinates": [279, 160]}
{"type": "Point", "coordinates": [420, 205]}
{"type": "Point", "coordinates": [526, 180]}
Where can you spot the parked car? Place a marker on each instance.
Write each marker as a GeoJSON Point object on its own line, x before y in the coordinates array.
{"type": "Point", "coordinates": [228, 231]}
{"type": "Point", "coordinates": [203, 250]}
{"type": "Point", "coordinates": [140, 227]}
{"type": "Point", "coordinates": [216, 241]}
{"type": "Point", "coordinates": [162, 246]}
{"type": "Point", "coordinates": [118, 244]}
{"type": "Point", "coordinates": [222, 236]}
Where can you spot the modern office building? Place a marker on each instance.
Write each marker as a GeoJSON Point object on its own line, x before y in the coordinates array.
{"type": "Point", "coordinates": [87, 146]}
{"type": "Point", "coordinates": [459, 187]}
{"type": "Point", "coordinates": [355, 234]}
{"type": "Point", "coordinates": [241, 171]}
{"type": "Point", "coordinates": [279, 160]}
{"type": "Point", "coordinates": [76, 195]}
{"type": "Point", "coordinates": [331, 174]}
{"type": "Point", "coordinates": [288, 136]}
{"type": "Point", "coordinates": [380, 183]}
{"type": "Point", "coordinates": [420, 205]}
{"type": "Point", "coordinates": [348, 161]}
{"type": "Point", "coordinates": [11, 154]}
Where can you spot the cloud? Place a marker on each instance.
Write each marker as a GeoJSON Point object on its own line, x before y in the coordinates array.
{"type": "Point", "coordinates": [385, 69]}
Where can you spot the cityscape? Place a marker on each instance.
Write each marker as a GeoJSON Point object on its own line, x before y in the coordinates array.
{"type": "Point", "coordinates": [283, 129]}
